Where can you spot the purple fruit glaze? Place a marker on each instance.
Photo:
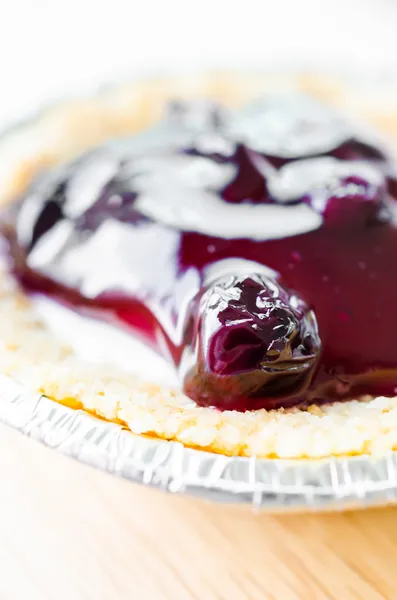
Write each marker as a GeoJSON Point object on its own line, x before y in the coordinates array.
{"type": "Point", "coordinates": [254, 250]}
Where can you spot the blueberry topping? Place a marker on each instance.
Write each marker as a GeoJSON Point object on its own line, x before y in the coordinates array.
{"type": "Point", "coordinates": [255, 342]}
{"type": "Point", "coordinates": [344, 193]}
{"type": "Point", "coordinates": [255, 249]}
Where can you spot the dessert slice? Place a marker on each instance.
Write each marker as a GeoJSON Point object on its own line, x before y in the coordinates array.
{"type": "Point", "coordinates": [252, 248]}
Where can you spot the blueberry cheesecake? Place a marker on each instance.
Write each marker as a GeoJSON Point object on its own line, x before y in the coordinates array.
{"type": "Point", "coordinates": [243, 229]}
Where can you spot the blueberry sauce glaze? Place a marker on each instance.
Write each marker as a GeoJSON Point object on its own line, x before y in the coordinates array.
{"type": "Point", "coordinates": [255, 250]}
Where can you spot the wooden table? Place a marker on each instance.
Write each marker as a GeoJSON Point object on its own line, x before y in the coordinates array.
{"type": "Point", "coordinates": [68, 532]}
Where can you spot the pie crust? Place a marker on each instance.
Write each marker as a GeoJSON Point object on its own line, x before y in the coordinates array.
{"type": "Point", "coordinates": [33, 356]}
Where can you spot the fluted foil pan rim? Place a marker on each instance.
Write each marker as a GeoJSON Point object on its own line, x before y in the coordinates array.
{"type": "Point", "coordinates": [268, 484]}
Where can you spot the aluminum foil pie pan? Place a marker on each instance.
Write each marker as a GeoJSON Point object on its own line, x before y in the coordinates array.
{"type": "Point", "coordinates": [260, 484]}
{"type": "Point", "coordinates": [265, 484]}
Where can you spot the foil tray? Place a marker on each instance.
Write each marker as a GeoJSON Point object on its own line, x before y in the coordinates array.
{"type": "Point", "coordinates": [261, 484]}
{"type": "Point", "coordinates": [276, 485]}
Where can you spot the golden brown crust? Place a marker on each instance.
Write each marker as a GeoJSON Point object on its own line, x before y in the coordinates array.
{"type": "Point", "coordinates": [33, 356]}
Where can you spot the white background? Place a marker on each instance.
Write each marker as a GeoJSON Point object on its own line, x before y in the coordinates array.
{"type": "Point", "coordinates": [49, 47]}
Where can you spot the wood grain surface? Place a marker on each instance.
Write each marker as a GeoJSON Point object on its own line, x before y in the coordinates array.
{"type": "Point", "coordinates": [68, 532]}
